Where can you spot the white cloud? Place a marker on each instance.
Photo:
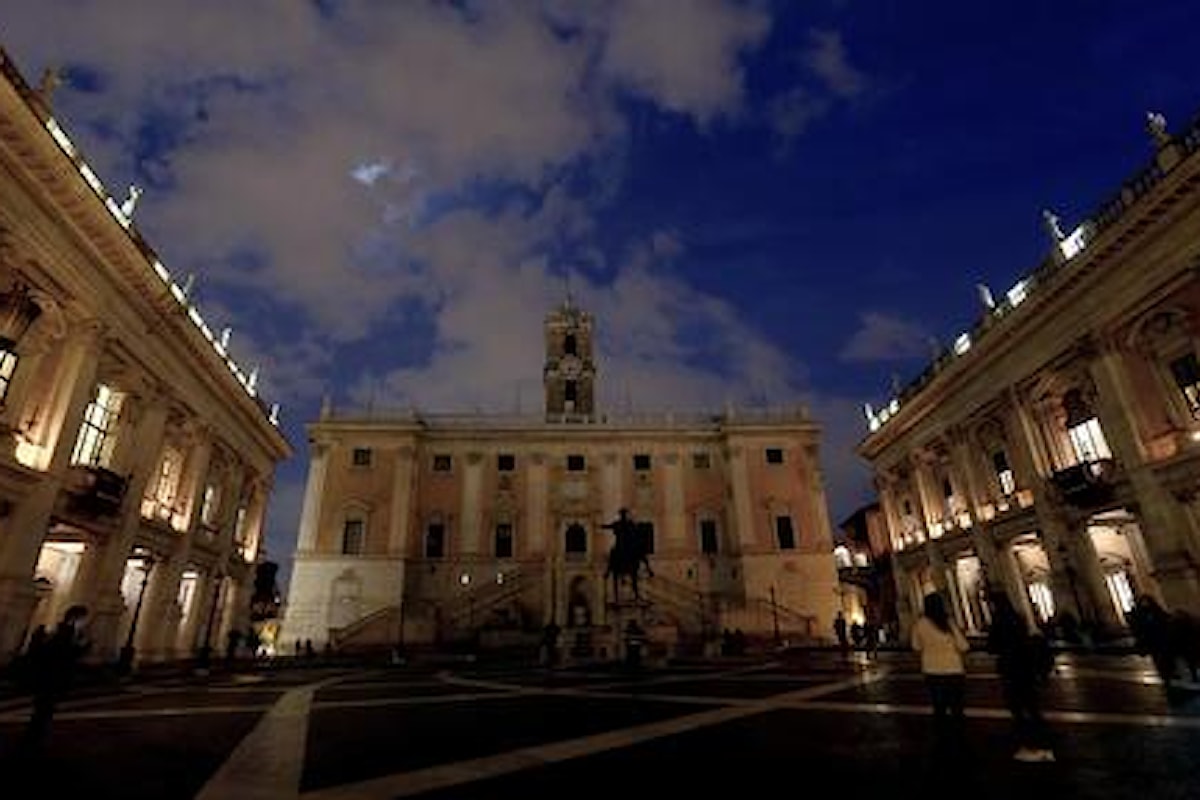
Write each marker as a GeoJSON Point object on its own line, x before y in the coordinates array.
{"type": "Point", "coordinates": [885, 337]}
{"type": "Point", "coordinates": [655, 46]}
{"type": "Point", "coordinates": [332, 165]}
{"type": "Point", "coordinates": [827, 58]}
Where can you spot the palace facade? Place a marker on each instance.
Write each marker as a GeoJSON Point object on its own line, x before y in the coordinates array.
{"type": "Point", "coordinates": [428, 528]}
{"type": "Point", "coordinates": [136, 458]}
{"type": "Point", "coordinates": [1054, 451]}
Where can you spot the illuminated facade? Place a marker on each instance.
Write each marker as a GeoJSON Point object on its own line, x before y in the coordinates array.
{"type": "Point", "coordinates": [136, 458]}
{"type": "Point", "coordinates": [419, 528]}
{"type": "Point", "coordinates": [1054, 451]}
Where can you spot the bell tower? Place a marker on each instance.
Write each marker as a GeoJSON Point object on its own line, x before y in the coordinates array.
{"type": "Point", "coordinates": [570, 372]}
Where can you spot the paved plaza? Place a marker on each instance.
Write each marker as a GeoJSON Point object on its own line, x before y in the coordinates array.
{"type": "Point", "coordinates": [792, 724]}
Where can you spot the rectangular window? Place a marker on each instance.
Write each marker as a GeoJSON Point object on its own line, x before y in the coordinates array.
{"type": "Point", "coordinates": [641, 462]}
{"type": "Point", "coordinates": [1004, 473]}
{"type": "Point", "coordinates": [506, 462]}
{"type": "Point", "coordinates": [160, 504]}
{"type": "Point", "coordinates": [352, 537]}
{"type": "Point", "coordinates": [435, 540]}
{"type": "Point", "coordinates": [94, 445]}
{"type": "Point", "coordinates": [570, 392]}
{"type": "Point", "coordinates": [504, 540]}
{"type": "Point", "coordinates": [1088, 442]}
{"type": "Point", "coordinates": [576, 463]}
{"type": "Point", "coordinates": [8, 365]}
{"type": "Point", "coordinates": [239, 525]}
{"type": "Point", "coordinates": [701, 461]}
{"type": "Point", "coordinates": [708, 537]}
{"type": "Point", "coordinates": [1186, 371]}
{"type": "Point", "coordinates": [208, 505]}
{"type": "Point", "coordinates": [784, 533]}
{"type": "Point", "coordinates": [361, 457]}
{"type": "Point", "coordinates": [442, 463]}
{"type": "Point", "coordinates": [774, 455]}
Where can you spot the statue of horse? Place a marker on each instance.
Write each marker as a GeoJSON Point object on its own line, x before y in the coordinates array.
{"type": "Point", "coordinates": [628, 554]}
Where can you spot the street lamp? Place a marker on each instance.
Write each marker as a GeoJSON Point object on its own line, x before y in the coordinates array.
{"type": "Point", "coordinates": [125, 662]}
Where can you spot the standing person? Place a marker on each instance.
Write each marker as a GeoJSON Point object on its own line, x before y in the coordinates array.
{"type": "Point", "coordinates": [1152, 629]}
{"type": "Point", "coordinates": [839, 630]}
{"type": "Point", "coordinates": [1024, 661]}
{"type": "Point", "coordinates": [52, 671]}
{"type": "Point", "coordinates": [942, 646]}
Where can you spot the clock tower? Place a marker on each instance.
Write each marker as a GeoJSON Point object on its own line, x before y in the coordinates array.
{"type": "Point", "coordinates": [570, 371]}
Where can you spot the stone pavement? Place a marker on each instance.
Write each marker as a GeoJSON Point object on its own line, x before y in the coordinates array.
{"type": "Point", "coordinates": [797, 721]}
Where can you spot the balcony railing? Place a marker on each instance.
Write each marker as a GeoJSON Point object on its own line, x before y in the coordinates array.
{"type": "Point", "coordinates": [97, 491]}
{"type": "Point", "coordinates": [1086, 484]}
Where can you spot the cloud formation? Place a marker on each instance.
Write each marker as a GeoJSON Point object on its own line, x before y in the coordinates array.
{"type": "Point", "coordinates": [885, 337]}
{"type": "Point", "coordinates": [425, 173]}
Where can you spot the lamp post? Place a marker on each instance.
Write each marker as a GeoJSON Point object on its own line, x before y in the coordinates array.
{"type": "Point", "coordinates": [125, 662]}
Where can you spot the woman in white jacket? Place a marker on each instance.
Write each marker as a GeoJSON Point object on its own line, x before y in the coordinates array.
{"type": "Point", "coordinates": [942, 646]}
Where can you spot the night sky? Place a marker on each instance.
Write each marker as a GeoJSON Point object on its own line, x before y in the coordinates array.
{"type": "Point", "coordinates": [761, 202]}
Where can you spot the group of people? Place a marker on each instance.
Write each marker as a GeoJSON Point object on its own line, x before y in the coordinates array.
{"type": "Point", "coordinates": [861, 635]}
{"type": "Point", "coordinates": [1169, 639]}
{"type": "Point", "coordinates": [48, 667]}
{"type": "Point", "coordinates": [1024, 661]}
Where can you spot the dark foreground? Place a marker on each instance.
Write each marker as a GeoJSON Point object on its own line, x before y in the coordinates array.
{"type": "Point", "coordinates": [795, 724]}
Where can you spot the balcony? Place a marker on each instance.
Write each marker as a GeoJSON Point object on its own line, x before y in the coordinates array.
{"type": "Point", "coordinates": [96, 491]}
{"type": "Point", "coordinates": [1087, 484]}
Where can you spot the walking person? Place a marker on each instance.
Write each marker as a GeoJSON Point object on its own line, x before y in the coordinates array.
{"type": "Point", "coordinates": [942, 647]}
{"type": "Point", "coordinates": [52, 666]}
{"type": "Point", "coordinates": [1024, 661]}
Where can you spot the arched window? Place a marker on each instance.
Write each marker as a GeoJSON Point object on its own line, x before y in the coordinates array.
{"type": "Point", "coordinates": [570, 346]}
{"type": "Point", "coordinates": [576, 539]}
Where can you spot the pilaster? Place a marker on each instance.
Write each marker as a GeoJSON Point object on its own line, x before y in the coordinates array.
{"type": "Point", "coordinates": [314, 489]}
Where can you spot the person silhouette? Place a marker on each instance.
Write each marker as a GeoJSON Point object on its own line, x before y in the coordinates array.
{"type": "Point", "coordinates": [52, 670]}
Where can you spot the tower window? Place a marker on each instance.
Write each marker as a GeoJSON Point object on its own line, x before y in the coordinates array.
{"type": "Point", "coordinates": [504, 540]}
{"type": "Point", "coordinates": [784, 533]}
{"type": "Point", "coordinates": [701, 461]}
{"type": "Point", "coordinates": [435, 540]}
{"type": "Point", "coordinates": [576, 538]}
{"type": "Point", "coordinates": [352, 537]}
{"type": "Point", "coordinates": [506, 462]}
{"type": "Point", "coordinates": [570, 392]}
{"type": "Point", "coordinates": [361, 457]}
{"type": "Point", "coordinates": [570, 346]}
{"type": "Point", "coordinates": [774, 455]}
{"type": "Point", "coordinates": [442, 463]}
{"type": "Point", "coordinates": [576, 463]}
{"type": "Point", "coordinates": [708, 537]}
{"type": "Point", "coordinates": [641, 462]}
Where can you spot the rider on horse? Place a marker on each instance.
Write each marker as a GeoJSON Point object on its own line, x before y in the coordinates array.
{"type": "Point", "coordinates": [628, 553]}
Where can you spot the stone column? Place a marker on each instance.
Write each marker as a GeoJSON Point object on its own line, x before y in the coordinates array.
{"type": "Point", "coordinates": [314, 489]}
{"type": "Point", "coordinates": [104, 595]}
{"type": "Point", "coordinates": [611, 500]}
{"type": "Point", "coordinates": [1171, 538]}
{"type": "Point", "coordinates": [676, 522]}
{"type": "Point", "coordinates": [25, 529]}
{"type": "Point", "coordinates": [536, 495]}
{"type": "Point", "coordinates": [472, 486]}
{"type": "Point", "coordinates": [401, 507]}
{"type": "Point", "coordinates": [739, 477]}
{"type": "Point", "coordinates": [891, 515]}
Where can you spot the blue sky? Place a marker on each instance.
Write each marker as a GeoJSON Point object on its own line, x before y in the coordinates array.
{"type": "Point", "coordinates": [770, 202]}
